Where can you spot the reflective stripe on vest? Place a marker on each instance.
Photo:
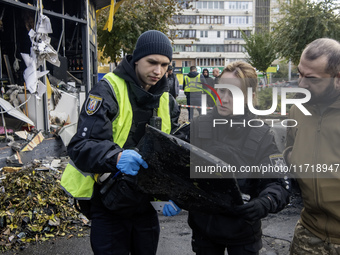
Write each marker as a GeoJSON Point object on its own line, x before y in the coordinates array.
{"type": "Point", "coordinates": [193, 84]}
{"type": "Point", "coordinates": [79, 184]}
{"type": "Point", "coordinates": [164, 112]}
{"type": "Point", "coordinates": [122, 124]}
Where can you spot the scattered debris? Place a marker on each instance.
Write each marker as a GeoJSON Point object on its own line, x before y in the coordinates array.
{"type": "Point", "coordinates": [2, 130]}
{"type": "Point", "coordinates": [30, 145]}
{"type": "Point", "coordinates": [14, 160]}
{"type": "Point", "coordinates": [41, 50]}
{"type": "Point", "coordinates": [59, 118]}
{"type": "Point", "coordinates": [14, 145]}
{"type": "Point", "coordinates": [34, 142]}
{"type": "Point", "coordinates": [20, 158]}
{"type": "Point", "coordinates": [11, 169]}
{"type": "Point", "coordinates": [33, 207]}
{"type": "Point", "coordinates": [22, 134]}
{"type": "Point", "coordinates": [8, 108]}
{"type": "Point", "coordinates": [14, 87]}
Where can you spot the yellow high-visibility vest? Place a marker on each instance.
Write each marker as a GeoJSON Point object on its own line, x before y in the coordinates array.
{"type": "Point", "coordinates": [193, 84]}
{"type": "Point", "coordinates": [79, 184]}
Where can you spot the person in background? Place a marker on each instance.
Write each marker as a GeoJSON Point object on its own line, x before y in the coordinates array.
{"type": "Point", "coordinates": [239, 145]}
{"type": "Point", "coordinates": [210, 82]}
{"type": "Point", "coordinates": [208, 79]}
{"type": "Point", "coordinates": [216, 74]}
{"type": "Point", "coordinates": [172, 82]}
{"type": "Point", "coordinates": [111, 124]}
{"type": "Point", "coordinates": [193, 89]}
{"type": "Point", "coordinates": [313, 147]}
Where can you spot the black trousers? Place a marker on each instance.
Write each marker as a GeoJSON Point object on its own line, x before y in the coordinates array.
{"type": "Point", "coordinates": [204, 246]}
{"type": "Point", "coordinates": [112, 235]}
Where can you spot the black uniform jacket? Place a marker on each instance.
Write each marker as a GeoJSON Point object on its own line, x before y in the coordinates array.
{"type": "Point", "coordinates": [92, 148]}
{"type": "Point", "coordinates": [230, 144]}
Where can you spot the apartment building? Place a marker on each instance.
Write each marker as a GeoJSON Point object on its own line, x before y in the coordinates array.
{"type": "Point", "coordinates": [208, 34]}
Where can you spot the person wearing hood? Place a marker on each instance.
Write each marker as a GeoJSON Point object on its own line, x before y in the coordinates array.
{"type": "Point", "coordinates": [192, 86]}
{"type": "Point", "coordinates": [210, 82]}
{"type": "Point", "coordinates": [111, 124]}
{"type": "Point", "coordinates": [172, 82]}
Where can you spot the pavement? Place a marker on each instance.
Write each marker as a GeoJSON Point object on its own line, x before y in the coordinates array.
{"type": "Point", "coordinates": [175, 237]}
{"type": "Point", "coordinates": [181, 95]}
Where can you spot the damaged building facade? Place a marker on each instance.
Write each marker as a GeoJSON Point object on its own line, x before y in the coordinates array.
{"type": "Point", "coordinates": [57, 31]}
{"type": "Point", "coordinates": [48, 63]}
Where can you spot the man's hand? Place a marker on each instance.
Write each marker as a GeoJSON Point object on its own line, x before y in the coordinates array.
{"type": "Point", "coordinates": [168, 210]}
{"type": "Point", "coordinates": [256, 209]}
{"type": "Point", "coordinates": [129, 162]}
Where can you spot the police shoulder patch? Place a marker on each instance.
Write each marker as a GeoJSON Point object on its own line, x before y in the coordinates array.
{"type": "Point", "coordinates": [277, 160]}
{"type": "Point", "coordinates": [92, 104]}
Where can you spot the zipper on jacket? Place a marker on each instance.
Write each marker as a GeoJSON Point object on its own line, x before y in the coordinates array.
{"type": "Point", "coordinates": [316, 150]}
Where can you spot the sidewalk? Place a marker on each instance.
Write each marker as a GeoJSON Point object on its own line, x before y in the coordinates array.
{"type": "Point", "coordinates": [175, 237]}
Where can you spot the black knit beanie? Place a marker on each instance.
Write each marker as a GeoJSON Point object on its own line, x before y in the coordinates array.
{"type": "Point", "coordinates": [152, 42]}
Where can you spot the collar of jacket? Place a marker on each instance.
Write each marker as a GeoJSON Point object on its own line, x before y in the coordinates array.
{"type": "Point", "coordinates": [149, 99]}
{"type": "Point", "coordinates": [193, 74]}
{"type": "Point", "coordinates": [171, 76]}
{"type": "Point", "coordinates": [336, 103]}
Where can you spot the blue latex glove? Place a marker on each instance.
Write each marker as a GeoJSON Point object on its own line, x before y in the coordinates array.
{"type": "Point", "coordinates": [168, 210]}
{"type": "Point", "coordinates": [130, 162]}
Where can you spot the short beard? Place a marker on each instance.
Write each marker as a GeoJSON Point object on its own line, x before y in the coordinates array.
{"type": "Point", "coordinates": [327, 97]}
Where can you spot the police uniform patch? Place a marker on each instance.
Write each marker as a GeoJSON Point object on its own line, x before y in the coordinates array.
{"type": "Point", "coordinates": [277, 160]}
{"type": "Point", "coordinates": [92, 104]}
{"type": "Point", "coordinates": [279, 163]}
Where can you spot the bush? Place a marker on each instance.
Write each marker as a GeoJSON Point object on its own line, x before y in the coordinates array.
{"type": "Point", "coordinates": [181, 101]}
{"type": "Point", "coordinates": [265, 100]}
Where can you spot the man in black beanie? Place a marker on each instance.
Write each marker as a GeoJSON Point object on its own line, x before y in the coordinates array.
{"type": "Point", "coordinates": [111, 124]}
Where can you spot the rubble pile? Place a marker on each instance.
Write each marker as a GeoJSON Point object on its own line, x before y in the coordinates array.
{"type": "Point", "coordinates": [33, 206]}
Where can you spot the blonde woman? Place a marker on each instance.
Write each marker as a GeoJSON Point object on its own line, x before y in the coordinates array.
{"type": "Point", "coordinates": [242, 145]}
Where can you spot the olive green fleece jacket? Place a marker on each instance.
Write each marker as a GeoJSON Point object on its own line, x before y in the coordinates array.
{"type": "Point", "coordinates": [315, 157]}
